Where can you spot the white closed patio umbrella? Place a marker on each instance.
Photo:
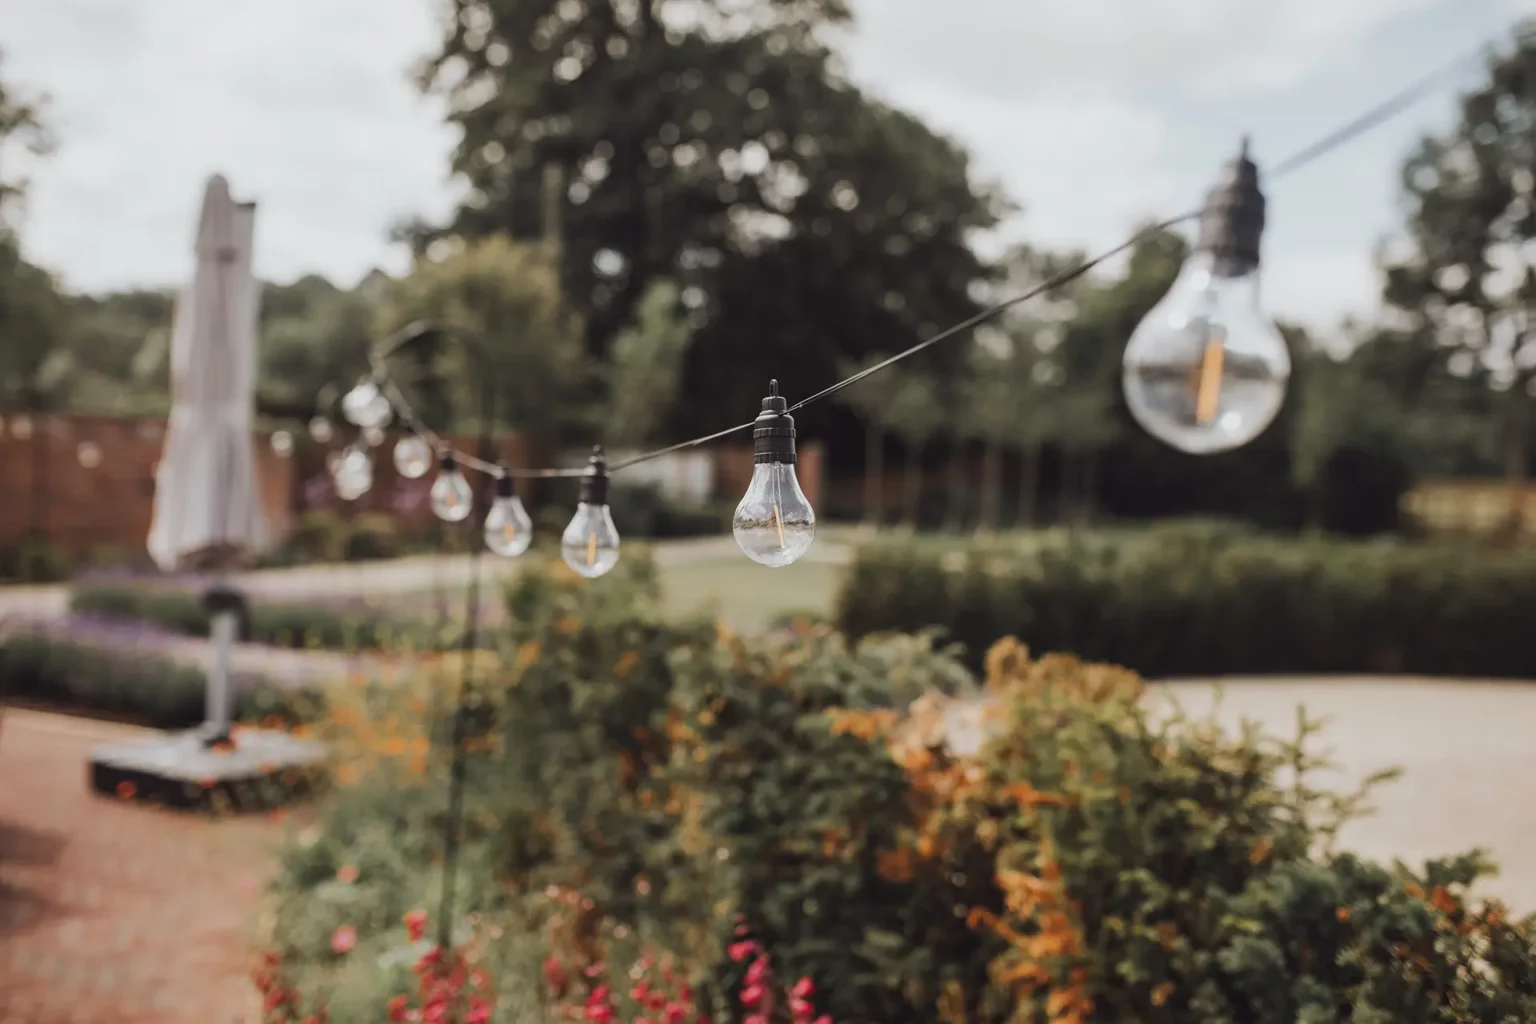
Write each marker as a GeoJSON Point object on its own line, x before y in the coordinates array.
{"type": "Point", "coordinates": [207, 510]}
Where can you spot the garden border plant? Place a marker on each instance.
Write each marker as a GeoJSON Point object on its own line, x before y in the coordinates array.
{"type": "Point", "coordinates": [671, 785]}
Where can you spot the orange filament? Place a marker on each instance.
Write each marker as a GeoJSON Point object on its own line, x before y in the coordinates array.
{"type": "Point", "coordinates": [1209, 388]}
{"type": "Point", "coordinates": [592, 548]}
{"type": "Point", "coordinates": [779, 522]}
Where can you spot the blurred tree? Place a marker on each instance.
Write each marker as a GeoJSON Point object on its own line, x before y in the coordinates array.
{"type": "Point", "coordinates": [915, 415]}
{"type": "Point", "coordinates": [1470, 276]}
{"type": "Point", "coordinates": [120, 344]}
{"type": "Point", "coordinates": [35, 366]}
{"type": "Point", "coordinates": [713, 143]}
{"type": "Point", "coordinates": [314, 339]}
{"type": "Point", "coordinates": [989, 413]}
{"type": "Point", "coordinates": [871, 398]}
{"type": "Point", "coordinates": [646, 368]}
{"type": "Point", "coordinates": [508, 295]}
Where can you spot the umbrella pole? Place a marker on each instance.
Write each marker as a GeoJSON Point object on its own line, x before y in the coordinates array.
{"type": "Point", "coordinates": [225, 608]}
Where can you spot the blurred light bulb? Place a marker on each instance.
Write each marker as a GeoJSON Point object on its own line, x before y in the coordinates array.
{"type": "Point", "coordinates": [508, 528]}
{"type": "Point", "coordinates": [366, 406]}
{"type": "Point", "coordinates": [590, 544]}
{"type": "Point", "coordinates": [774, 524]}
{"type": "Point", "coordinates": [373, 436]}
{"type": "Point", "coordinates": [451, 498]}
{"type": "Point", "coordinates": [282, 443]}
{"type": "Point", "coordinates": [88, 454]}
{"type": "Point", "coordinates": [1205, 371]}
{"type": "Point", "coordinates": [320, 430]}
{"type": "Point", "coordinates": [413, 457]}
{"type": "Point", "coordinates": [353, 473]}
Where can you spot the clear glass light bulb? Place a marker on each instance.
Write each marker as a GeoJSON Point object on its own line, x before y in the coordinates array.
{"type": "Point", "coordinates": [590, 544]}
{"type": "Point", "coordinates": [508, 527]}
{"type": "Point", "coordinates": [1206, 371]}
{"type": "Point", "coordinates": [353, 473]}
{"type": "Point", "coordinates": [413, 457]}
{"type": "Point", "coordinates": [282, 443]}
{"type": "Point", "coordinates": [320, 430]}
{"type": "Point", "coordinates": [451, 498]}
{"type": "Point", "coordinates": [774, 524]}
{"type": "Point", "coordinates": [366, 406]}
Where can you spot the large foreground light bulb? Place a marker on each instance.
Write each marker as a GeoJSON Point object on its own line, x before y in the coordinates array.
{"type": "Point", "coordinates": [352, 473]}
{"type": "Point", "coordinates": [366, 406]}
{"type": "Point", "coordinates": [1206, 371]}
{"type": "Point", "coordinates": [774, 524]}
{"type": "Point", "coordinates": [413, 457]}
{"type": "Point", "coordinates": [451, 498]}
{"type": "Point", "coordinates": [508, 528]}
{"type": "Point", "coordinates": [590, 544]}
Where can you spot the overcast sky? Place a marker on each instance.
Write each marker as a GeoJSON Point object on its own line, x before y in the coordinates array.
{"type": "Point", "coordinates": [1094, 114]}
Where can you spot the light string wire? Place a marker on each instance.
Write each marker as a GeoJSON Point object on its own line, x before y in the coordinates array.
{"type": "Point", "coordinates": [1400, 101]}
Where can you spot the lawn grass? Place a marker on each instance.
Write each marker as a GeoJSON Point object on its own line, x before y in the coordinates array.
{"type": "Point", "coordinates": [746, 596]}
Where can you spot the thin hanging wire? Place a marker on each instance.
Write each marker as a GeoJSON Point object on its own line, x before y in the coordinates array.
{"type": "Point", "coordinates": [1418, 90]}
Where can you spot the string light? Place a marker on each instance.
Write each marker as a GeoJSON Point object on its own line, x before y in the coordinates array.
{"type": "Point", "coordinates": [1204, 372]}
{"type": "Point", "coordinates": [413, 457]}
{"type": "Point", "coordinates": [451, 497]}
{"type": "Point", "coordinates": [774, 524]}
{"type": "Point", "coordinates": [590, 544]}
{"type": "Point", "coordinates": [353, 473]}
{"type": "Point", "coordinates": [366, 406]}
{"type": "Point", "coordinates": [508, 527]}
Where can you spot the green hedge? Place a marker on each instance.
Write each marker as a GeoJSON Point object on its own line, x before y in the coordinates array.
{"type": "Point", "coordinates": [156, 691]}
{"type": "Point", "coordinates": [1205, 600]}
{"type": "Point", "coordinates": [281, 624]}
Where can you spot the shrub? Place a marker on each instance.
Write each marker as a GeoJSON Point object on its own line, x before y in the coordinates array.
{"type": "Point", "coordinates": [713, 799]}
{"type": "Point", "coordinates": [645, 511]}
{"type": "Point", "coordinates": [1197, 600]}
{"type": "Point", "coordinates": [318, 535]}
{"type": "Point", "coordinates": [151, 689]}
{"type": "Point", "coordinates": [278, 623]}
{"type": "Point", "coordinates": [34, 560]}
{"type": "Point", "coordinates": [372, 536]}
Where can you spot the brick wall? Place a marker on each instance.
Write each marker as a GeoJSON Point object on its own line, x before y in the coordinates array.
{"type": "Point", "coordinates": [87, 483]}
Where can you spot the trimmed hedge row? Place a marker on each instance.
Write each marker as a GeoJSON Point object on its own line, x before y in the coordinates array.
{"type": "Point", "coordinates": [1195, 601]}
{"type": "Point", "coordinates": [279, 624]}
{"type": "Point", "coordinates": [151, 689]}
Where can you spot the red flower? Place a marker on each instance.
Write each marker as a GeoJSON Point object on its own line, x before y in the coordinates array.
{"type": "Point", "coordinates": [599, 1013]}
{"type": "Point", "coordinates": [739, 951]}
{"type": "Point", "coordinates": [801, 1008]}
{"type": "Point", "coordinates": [674, 1014]}
{"type": "Point", "coordinates": [751, 995]}
{"type": "Point", "coordinates": [804, 989]}
{"type": "Point", "coordinates": [479, 1011]}
{"type": "Point", "coordinates": [640, 992]}
{"type": "Point", "coordinates": [398, 1008]}
{"type": "Point", "coordinates": [825, 1018]}
{"type": "Point", "coordinates": [758, 972]}
{"type": "Point", "coordinates": [416, 924]}
{"type": "Point", "coordinates": [343, 939]}
{"type": "Point", "coordinates": [756, 1018]}
{"type": "Point", "coordinates": [554, 973]}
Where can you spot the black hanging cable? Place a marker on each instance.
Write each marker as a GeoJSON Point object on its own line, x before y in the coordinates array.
{"type": "Point", "coordinates": [1348, 132]}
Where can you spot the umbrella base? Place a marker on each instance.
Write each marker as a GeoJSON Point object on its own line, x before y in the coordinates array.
{"type": "Point", "coordinates": [260, 770]}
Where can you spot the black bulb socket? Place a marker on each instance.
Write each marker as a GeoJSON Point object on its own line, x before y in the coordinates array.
{"type": "Point", "coordinates": [447, 463]}
{"type": "Point", "coordinates": [594, 482]}
{"type": "Point", "coordinates": [505, 488]}
{"type": "Point", "coordinates": [773, 432]}
{"type": "Point", "coordinates": [1232, 224]}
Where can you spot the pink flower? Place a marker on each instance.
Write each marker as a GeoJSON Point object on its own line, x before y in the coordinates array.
{"type": "Point", "coordinates": [801, 1008]}
{"type": "Point", "coordinates": [757, 973]}
{"type": "Point", "coordinates": [751, 995]}
{"type": "Point", "coordinates": [804, 989]}
{"type": "Point", "coordinates": [398, 1008]}
{"type": "Point", "coordinates": [825, 1018]}
{"type": "Point", "coordinates": [756, 1018]}
{"type": "Point", "coordinates": [416, 924]}
{"type": "Point", "coordinates": [739, 951]}
{"type": "Point", "coordinates": [343, 939]}
{"type": "Point", "coordinates": [674, 1014]}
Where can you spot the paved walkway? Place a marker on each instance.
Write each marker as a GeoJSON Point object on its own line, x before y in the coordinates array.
{"type": "Point", "coordinates": [113, 912]}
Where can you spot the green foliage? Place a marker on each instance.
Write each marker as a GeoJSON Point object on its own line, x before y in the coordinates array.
{"type": "Point", "coordinates": [646, 367]}
{"type": "Point", "coordinates": [156, 691]}
{"type": "Point", "coordinates": [371, 537]}
{"type": "Point", "coordinates": [644, 511]}
{"type": "Point", "coordinates": [506, 296]}
{"type": "Point", "coordinates": [33, 560]}
{"type": "Point", "coordinates": [278, 623]}
{"type": "Point", "coordinates": [1197, 601]}
{"type": "Point", "coordinates": [1089, 862]}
